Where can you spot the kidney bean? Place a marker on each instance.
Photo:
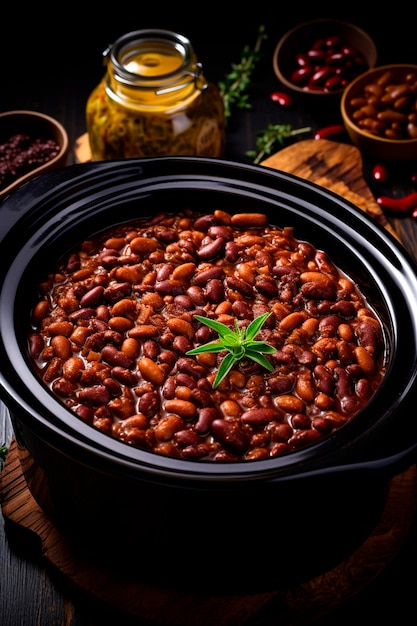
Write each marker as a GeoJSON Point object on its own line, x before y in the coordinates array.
{"type": "Point", "coordinates": [96, 396]}
{"type": "Point", "coordinates": [380, 173]}
{"type": "Point", "coordinates": [240, 285]}
{"type": "Point", "coordinates": [124, 376]}
{"type": "Point", "coordinates": [267, 286]}
{"type": "Point", "coordinates": [116, 357]}
{"type": "Point", "coordinates": [120, 363]}
{"type": "Point", "coordinates": [151, 371]}
{"type": "Point", "coordinates": [115, 291]}
{"type": "Point", "coordinates": [305, 387]}
{"type": "Point", "coordinates": [319, 291]}
{"type": "Point", "coordinates": [212, 249]}
{"type": "Point", "coordinates": [214, 291]}
{"type": "Point", "coordinates": [63, 328]}
{"type": "Point", "coordinates": [168, 426]}
{"type": "Point", "coordinates": [181, 327]}
{"type": "Point", "coordinates": [36, 345]}
{"type": "Point", "coordinates": [53, 369]}
{"type": "Point", "coordinates": [62, 346]}
{"type": "Point", "coordinates": [181, 344]}
{"type": "Point", "coordinates": [281, 98]}
{"type": "Point", "coordinates": [63, 387]}
{"type": "Point", "coordinates": [248, 220]}
{"type": "Point", "coordinates": [230, 435]}
{"type": "Point", "coordinates": [149, 403]}
{"type": "Point", "coordinates": [302, 438]}
{"type": "Point", "coordinates": [256, 417]}
{"type": "Point", "coordinates": [242, 310]}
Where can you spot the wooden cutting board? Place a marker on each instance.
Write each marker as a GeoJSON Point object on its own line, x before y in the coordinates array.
{"type": "Point", "coordinates": [295, 605]}
{"type": "Point", "coordinates": [335, 166]}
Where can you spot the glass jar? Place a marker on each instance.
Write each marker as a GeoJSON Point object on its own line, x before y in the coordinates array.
{"type": "Point", "coordinates": [154, 100]}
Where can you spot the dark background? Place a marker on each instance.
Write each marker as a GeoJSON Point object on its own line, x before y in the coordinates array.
{"type": "Point", "coordinates": [51, 59]}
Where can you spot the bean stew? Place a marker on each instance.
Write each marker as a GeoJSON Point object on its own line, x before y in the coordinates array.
{"type": "Point", "coordinates": [114, 321]}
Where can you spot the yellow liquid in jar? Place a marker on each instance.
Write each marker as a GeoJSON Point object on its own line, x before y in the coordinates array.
{"type": "Point", "coordinates": [151, 64]}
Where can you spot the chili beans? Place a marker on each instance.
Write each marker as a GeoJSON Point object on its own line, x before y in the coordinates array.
{"type": "Point", "coordinates": [21, 154]}
{"type": "Point", "coordinates": [329, 64]}
{"type": "Point", "coordinates": [114, 321]}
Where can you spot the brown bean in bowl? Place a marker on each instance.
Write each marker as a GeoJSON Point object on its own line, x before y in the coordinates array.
{"type": "Point", "coordinates": [109, 260]}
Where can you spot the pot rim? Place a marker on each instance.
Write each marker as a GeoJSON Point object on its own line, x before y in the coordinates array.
{"type": "Point", "coordinates": [63, 199]}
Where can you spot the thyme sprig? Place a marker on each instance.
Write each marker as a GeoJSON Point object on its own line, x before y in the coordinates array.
{"type": "Point", "coordinates": [233, 88]}
{"type": "Point", "coordinates": [239, 343]}
{"type": "Point", "coordinates": [268, 140]}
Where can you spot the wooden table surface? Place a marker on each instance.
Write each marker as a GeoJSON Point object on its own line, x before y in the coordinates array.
{"type": "Point", "coordinates": [46, 70]}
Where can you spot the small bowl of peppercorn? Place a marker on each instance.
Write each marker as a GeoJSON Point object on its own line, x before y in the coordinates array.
{"type": "Point", "coordinates": [379, 110]}
{"type": "Point", "coordinates": [31, 143]}
{"type": "Point", "coordinates": [319, 58]}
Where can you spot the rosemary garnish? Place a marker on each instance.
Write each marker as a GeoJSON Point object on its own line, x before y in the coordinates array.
{"type": "Point", "coordinates": [268, 139]}
{"type": "Point", "coordinates": [234, 87]}
{"type": "Point", "coordinates": [239, 343]}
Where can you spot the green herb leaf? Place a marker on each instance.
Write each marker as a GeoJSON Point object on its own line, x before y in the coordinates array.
{"type": "Point", "coordinates": [273, 137]}
{"type": "Point", "coordinates": [237, 81]}
{"type": "Point", "coordinates": [3, 454]}
{"type": "Point", "coordinates": [240, 344]}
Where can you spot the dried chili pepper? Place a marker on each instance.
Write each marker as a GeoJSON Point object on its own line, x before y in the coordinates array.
{"type": "Point", "coordinates": [329, 131]}
{"type": "Point", "coordinates": [406, 204]}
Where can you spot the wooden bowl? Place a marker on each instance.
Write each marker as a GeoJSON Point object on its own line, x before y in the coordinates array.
{"type": "Point", "coordinates": [300, 40]}
{"type": "Point", "coordinates": [381, 147]}
{"type": "Point", "coordinates": [35, 125]}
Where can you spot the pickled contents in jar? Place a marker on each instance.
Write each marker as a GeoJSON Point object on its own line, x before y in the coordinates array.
{"type": "Point", "coordinates": [193, 128]}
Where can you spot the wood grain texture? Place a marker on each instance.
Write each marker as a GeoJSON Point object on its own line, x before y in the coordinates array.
{"type": "Point", "coordinates": [335, 166]}
{"type": "Point", "coordinates": [291, 606]}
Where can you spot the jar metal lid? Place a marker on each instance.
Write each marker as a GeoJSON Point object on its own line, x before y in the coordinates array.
{"type": "Point", "coordinates": [155, 59]}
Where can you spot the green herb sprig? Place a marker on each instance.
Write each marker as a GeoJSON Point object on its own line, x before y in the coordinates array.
{"type": "Point", "coordinates": [3, 453]}
{"type": "Point", "coordinates": [240, 344]}
{"type": "Point", "coordinates": [268, 140]}
{"type": "Point", "coordinates": [233, 89]}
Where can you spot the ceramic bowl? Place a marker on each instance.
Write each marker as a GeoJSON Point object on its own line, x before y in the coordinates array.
{"type": "Point", "coordinates": [245, 525]}
{"type": "Point", "coordinates": [379, 108]}
{"type": "Point", "coordinates": [36, 126]}
{"type": "Point", "coordinates": [309, 50]}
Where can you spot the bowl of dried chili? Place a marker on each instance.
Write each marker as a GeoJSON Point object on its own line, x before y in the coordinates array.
{"type": "Point", "coordinates": [31, 143]}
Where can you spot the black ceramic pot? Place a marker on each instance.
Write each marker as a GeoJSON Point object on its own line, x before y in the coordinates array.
{"type": "Point", "coordinates": [237, 526]}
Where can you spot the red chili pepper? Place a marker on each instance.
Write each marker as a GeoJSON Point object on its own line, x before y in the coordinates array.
{"type": "Point", "coordinates": [281, 98]}
{"type": "Point", "coordinates": [329, 131]}
{"type": "Point", "coordinates": [380, 173]}
{"type": "Point", "coordinates": [405, 204]}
